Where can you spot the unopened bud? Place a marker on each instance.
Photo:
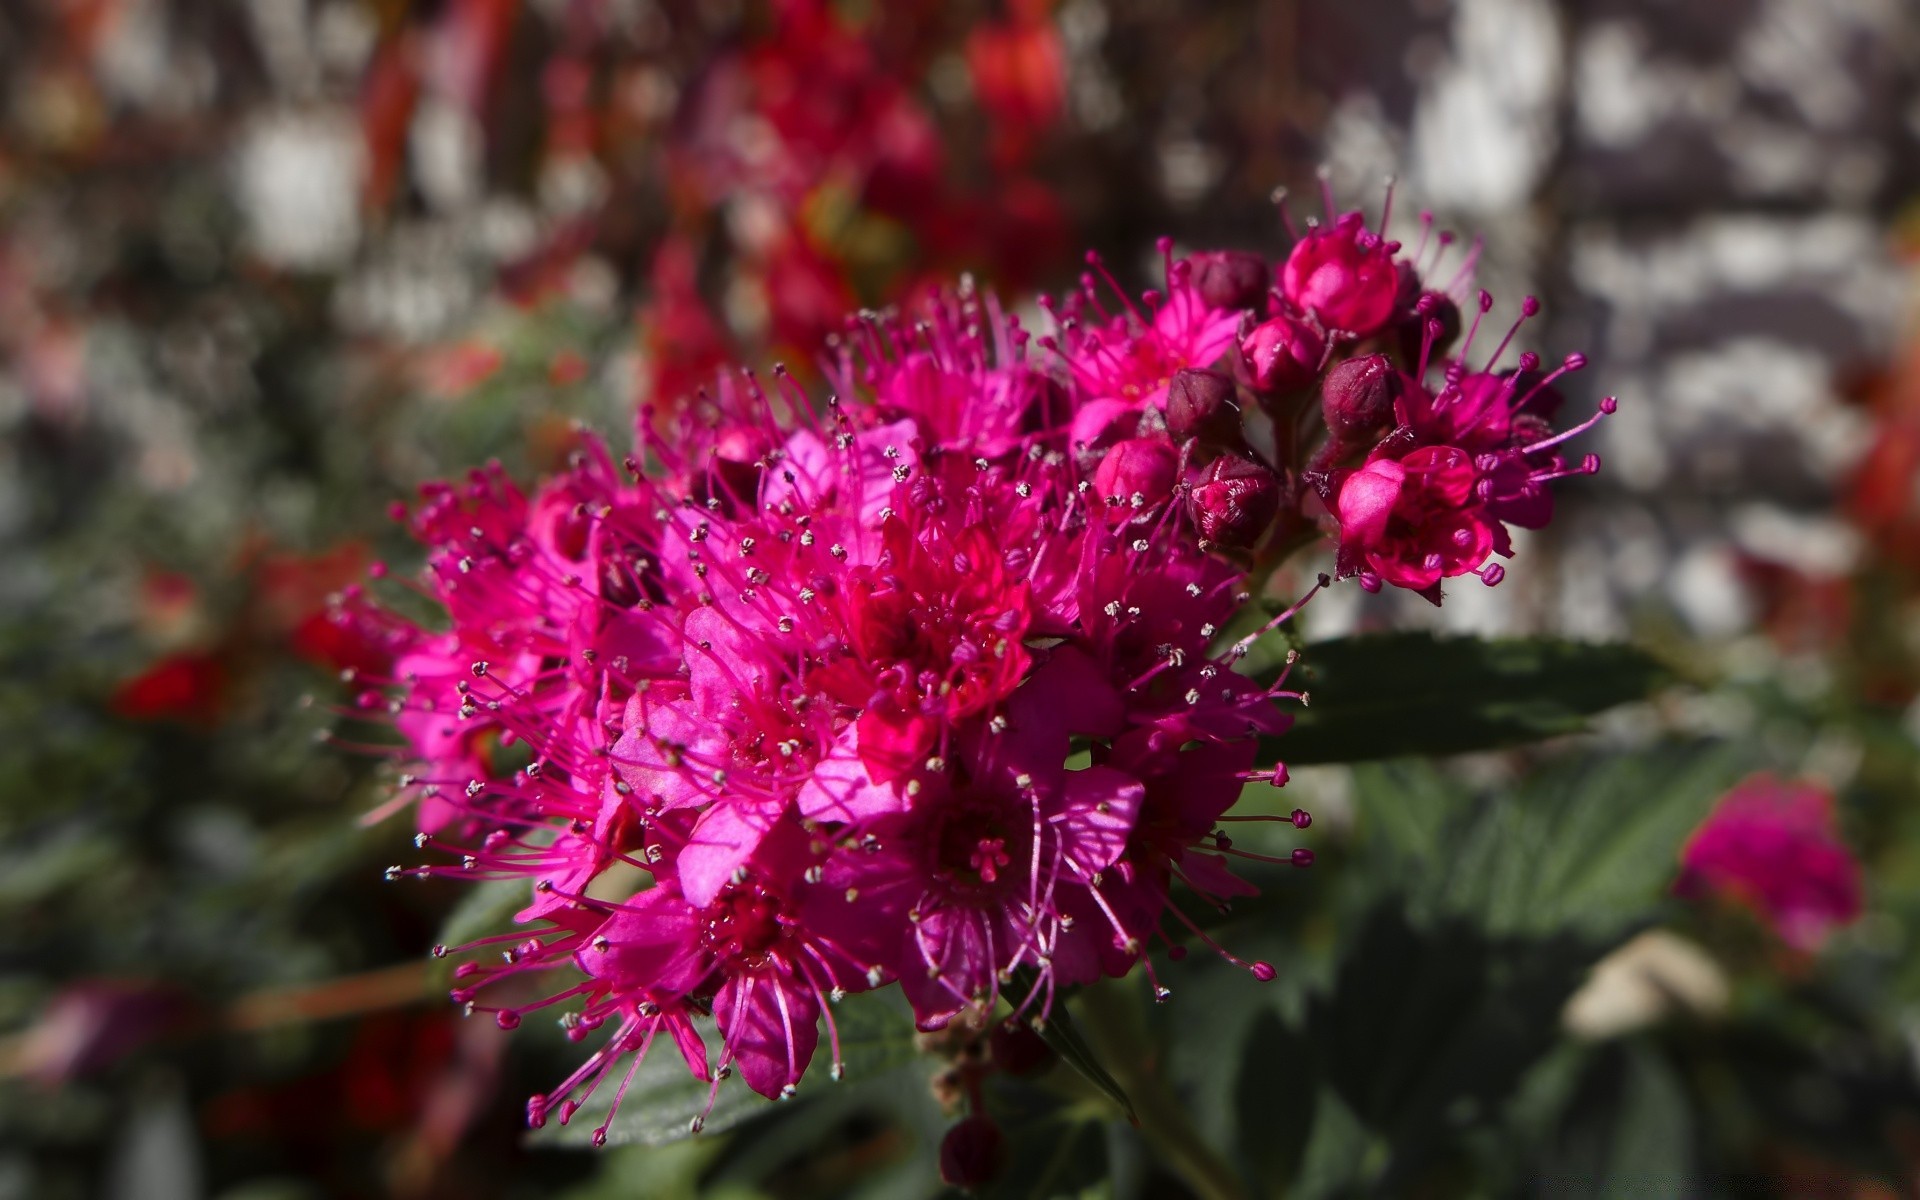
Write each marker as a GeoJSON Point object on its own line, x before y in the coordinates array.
{"type": "Point", "coordinates": [1231, 278]}
{"type": "Point", "coordinates": [1018, 1050]}
{"type": "Point", "coordinates": [1234, 501]}
{"type": "Point", "coordinates": [1282, 354]}
{"type": "Point", "coordinates": [1143, 467]}
{"type": "Point", "coordinates": [1357, 396]}
{"type": "Point", "coordinates": [972, 1153]}
{"type": "Point", "coordinates": [1200, 405]}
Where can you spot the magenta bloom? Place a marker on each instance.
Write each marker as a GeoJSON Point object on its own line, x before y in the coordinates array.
{"type": "Point", "coordinates": [1774, 847]}
{"type": "Point", "coordinates": [1344, 275]}
{"type": "Point", "coordinates": [1415, 521]}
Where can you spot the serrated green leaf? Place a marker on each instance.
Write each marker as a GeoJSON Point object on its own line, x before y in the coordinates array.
{"type": "Point", "coordinates": [1385, 695]}
{"type": "Point", "coordinates": [1587, 846]}
{"type": "Point", "coordinates": [1408, 807]}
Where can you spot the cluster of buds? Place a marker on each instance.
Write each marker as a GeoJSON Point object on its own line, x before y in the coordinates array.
{"type": "Point", "coordinates": [923, 683]}
{"type": "Point", "coordinates": [1332, 393]}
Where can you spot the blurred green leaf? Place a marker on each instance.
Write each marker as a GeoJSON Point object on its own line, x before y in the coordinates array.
{"type": "Point", "coordinates": [1629, 1132]}
{"type": "Point", "coordinates": [1339, 1151]}
{"type": "Point", "coordinates": [1385, 695]}
{"type": "Point", "coordinates": [1274, 1093]}
{"type": "Point", "coordinates": [1428, 1026]}
{"type": "Point", "coordinates": [1588, 846]}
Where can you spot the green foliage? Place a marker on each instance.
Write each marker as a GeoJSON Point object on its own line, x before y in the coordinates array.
{"type": "Point", "coordinates": [1382, 696]}
{"type": "Point", "coordinates": [1585, 846]}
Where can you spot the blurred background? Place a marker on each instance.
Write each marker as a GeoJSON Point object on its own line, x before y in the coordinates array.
{"type": "Point", "coordinates": [266, 265]}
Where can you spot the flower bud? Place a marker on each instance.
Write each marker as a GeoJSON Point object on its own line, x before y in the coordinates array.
{"type": "Point", "coordinates": [1282, 354]}
{"type": "Point", "coordinates": [1357, 396]}
{"type": "Point", "coordinates": [972, 1153]}
{"type": "Point", "coordinates": [1231, 278]}
{"type": "Point", "coordinates": [1143, 467]}
{"type": "Point", "coordinates": [1234, 501]}
{"type": "Point", "coordinates": [1018, 1050]}
{"type": "Point", "coordinates": [1200, 404]}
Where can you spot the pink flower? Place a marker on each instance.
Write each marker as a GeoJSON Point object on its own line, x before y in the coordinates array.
{"type": "Point", "coordinates": [749, 953]}
{"type": "Point", "coordinates": [1127, 359]}
{"type": "Point", "coordinates": [1344, 275]}
{"type": "Point", "coordinates": [933, 635]}
{"type": "Point", "coordinates": [961, 889]}
{"type": "Point", "coordinates": [1414, 521]}
{"type": "Point", "coordinates": [1774, 847]}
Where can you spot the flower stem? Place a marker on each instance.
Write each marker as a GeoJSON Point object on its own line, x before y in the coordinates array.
{"type": "Point", "coordinates": [1121, 1044]}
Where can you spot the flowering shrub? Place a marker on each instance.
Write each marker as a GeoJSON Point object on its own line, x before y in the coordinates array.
{"type": "Point", "coordinates": [925, 681]}
{"type": "Point", "coordinates": [266, 266]}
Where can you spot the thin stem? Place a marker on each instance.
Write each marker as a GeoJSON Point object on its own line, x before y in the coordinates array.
{"type": "Point", "coordinates": [396, 986]}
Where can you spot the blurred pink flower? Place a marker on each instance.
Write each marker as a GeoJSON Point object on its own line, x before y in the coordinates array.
{"type": "Point", "coordinates": [1773, 846]}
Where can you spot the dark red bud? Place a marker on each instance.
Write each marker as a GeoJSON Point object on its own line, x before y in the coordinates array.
{"type": "Point", "coordinates": [1234, 501]}
{"type": "Point", "coordinates": [972, 1153]}
{"type": "Point", "coordinates": [1357, 396]}
{"type": "Point", "coordinates": [1200, 403]}
{"type": "Point", "coordinates": [1282, 354]}
{"type": "Point", "coordinates": [1231, 278]}
{"type": "Point", "coordinates": [1018, 1050]}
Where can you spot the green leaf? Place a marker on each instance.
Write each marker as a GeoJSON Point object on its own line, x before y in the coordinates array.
{"type": "Point", "coordinates": [660, 1104]}
{"type": "Point", "coordinates": [876, 1036]}
{"type": "Point", "coordinates": [1387, 695]}
{"type": "Point", "coordinates": [1407, 809]}
{"type": "Point", "coordinates": [1430, 1024]}
{"type": "Point", "coordinates": [1339, 1151]}
{"type": "Point", "coordinates": [1589, 846]}
{"type": "Point", "coordinates": [1059, 1032]}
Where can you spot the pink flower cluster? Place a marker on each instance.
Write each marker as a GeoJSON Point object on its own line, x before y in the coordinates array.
{"type": "Point", "coordinates": [925, 682]}
{"type": "Point", "coordinates": [1774, 847]}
